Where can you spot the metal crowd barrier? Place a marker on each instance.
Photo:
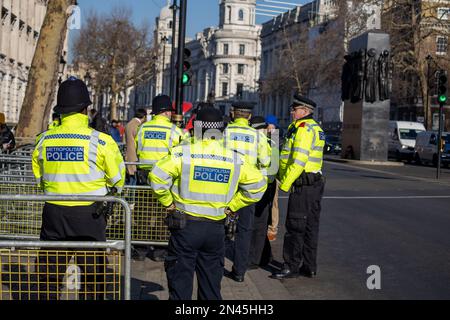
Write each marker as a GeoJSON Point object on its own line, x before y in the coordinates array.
{"type": "Point", "coordinates": [23, 221]}
{"type": "Point", "coordinates": [16, 168]}
{"type": "Point", "coordinates": [55, 270]}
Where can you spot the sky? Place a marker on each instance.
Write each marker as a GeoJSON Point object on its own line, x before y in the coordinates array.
{"type": "Point", "coordinates": [200, 13]}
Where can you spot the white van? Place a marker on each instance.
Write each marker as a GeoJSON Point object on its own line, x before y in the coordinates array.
{"type": "Point", "coordinates": [402, 139]}
{"type": "Point", "coordinates": [426, 148]}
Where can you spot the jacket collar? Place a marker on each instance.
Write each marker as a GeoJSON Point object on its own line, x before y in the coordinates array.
{"type": "Point", "coordinates": [161, 118]}
{"type": "Point", "coordinates": [241, 122]}
{"type": "Point", "coordinates": [74, 120]}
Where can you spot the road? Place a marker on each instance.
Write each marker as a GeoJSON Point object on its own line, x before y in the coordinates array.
{"type": "Point", "coordinates": [397, 218]}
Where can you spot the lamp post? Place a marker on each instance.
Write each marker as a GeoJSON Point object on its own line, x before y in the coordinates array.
{"type": "Point", "coordinates": [429, 59]}
{"type": "Point", "coordinates": [172, 56]}
{"type": "Point", "coordinates": [164, 40]}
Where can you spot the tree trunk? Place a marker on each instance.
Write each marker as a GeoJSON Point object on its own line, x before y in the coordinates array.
{"type": "Point", "coordinates": [43, 74]}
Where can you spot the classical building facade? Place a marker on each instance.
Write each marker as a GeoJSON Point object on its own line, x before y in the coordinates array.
{"type": "Point", "coordinates": [226, 59]}
{"type": "Point", "coordinates": [21, 21]}
{"type": "Point", "coordinates": [306, 24]}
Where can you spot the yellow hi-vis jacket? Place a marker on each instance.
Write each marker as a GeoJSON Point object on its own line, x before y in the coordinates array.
{"type": "Point", "coordinates": [204, 178]}
{"type": "Point", "coordinates": [240, 137]}
{"type": "Point", "coordinates": [73, 159]}
{"type": "Point", "coordinates": [155, 139]}
{"type": "Point", "coordinates": [302, 151]}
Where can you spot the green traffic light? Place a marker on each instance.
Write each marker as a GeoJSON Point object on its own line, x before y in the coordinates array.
{"type": "Point", "coordinates": [442, 99]}
{"type": "Point", "coordinates": [185, 78]}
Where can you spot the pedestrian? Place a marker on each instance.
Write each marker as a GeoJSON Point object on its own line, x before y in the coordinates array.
{"type": "Point", "coordinates": [131, 131]}
{"type": "Point", "coordinates": [260, 251]}
{"type": "Point", "coordinates": [242, 138]}
{"type": "Point", "coordinates": [97, 122]}
{"type": "Point", "coordinates": [114, 131]}
{"type": "Point", "coordinates": [272, 127]}
{"type": "Point", "coordinates": [154, 140]}
{"type": "Point", "coordinates": [56, 121]}
{"type": "Point", "coordinates": [7, 140]}
{"type": "Point", "coordinates": [199, 184]}
{"type": "Point", "coordinates": [301, 172]}
{"type": "Point", "coordinates": [121, 128]}
{"type": "Point", "coordinates": [97, 166]}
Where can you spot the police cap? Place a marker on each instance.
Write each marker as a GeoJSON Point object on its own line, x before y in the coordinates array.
{"type": "Point", "coordinates": [161, 103]}
{"type": "Point", "coordinates": [258, 122]}
{"type": "Point", "coordinates": [73, 96]}
{"type": "Point", "coordinates": [301, 101]}
{"type": "Point", "coordinates": [243, 106]}
{"type": "Point", "coordinates": [209, 118]}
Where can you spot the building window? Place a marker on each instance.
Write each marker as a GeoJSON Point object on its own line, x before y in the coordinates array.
{"type": "Point", "coordinates": [240, 69]}
{"type": "Point", "coordinates": [241, 15]}
{"type": "Point", "coordinates": [239, 90]}
{"type": "Point", "coordinates": [225, 48]}
{"type": "Point", "coordinates": [443, 13]}
{"type": "Point", "coordinates": [441, 45]}
{"type": "Point", "coordinates": [242, 49]}
{"type": "Point", "coordinates": [225, 68]}
{"type": "Point", "coordinates": [224, 89]}
{"type": "Point", "coordinates": [170, 24]}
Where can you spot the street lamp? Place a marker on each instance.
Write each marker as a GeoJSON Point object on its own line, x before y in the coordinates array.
{"type": "Point", "coordinates": [62, 65]}
{"type": "Point", "coordinates": [164, 40]}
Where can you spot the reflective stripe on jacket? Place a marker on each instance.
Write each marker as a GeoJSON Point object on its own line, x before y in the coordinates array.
{"type": "Point", "coordinates": [155, 139]}
{"type": "Point", "coordinates": [204, 178]}
{"type": "Point", "coordinates": [240, 137]}
{"type": "Point", "coordinates": [73, 159]}
{"type": "Point", "coordinates": [302, 151]}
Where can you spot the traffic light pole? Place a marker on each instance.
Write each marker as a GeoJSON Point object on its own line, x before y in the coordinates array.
{"type": "Point", "coordinates": [172, 56]}
{"type": "Point", "coordinates": [439, 142]}
{"type": "Point", "coordinates": [178, 118]}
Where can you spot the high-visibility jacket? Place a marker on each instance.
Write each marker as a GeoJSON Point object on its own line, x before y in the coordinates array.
{"type": "Point", "coordinates": [302, 151]}
{"type": "Point", "coordinates": [73, 159]}
{"type": "Point", "coordinates": [155, 139]}
{"type": "Point", "coordinates": [239, 136]}
{"type": "Point", "coordinates": [204, 178]}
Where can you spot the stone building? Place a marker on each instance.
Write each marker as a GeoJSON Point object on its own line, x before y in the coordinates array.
{"type": "Point", "coordinates": [21, 21]}
{"type": "Point", "coordinates": [226, 59]}
{"type": "Point", "coordinates": [303, 27]}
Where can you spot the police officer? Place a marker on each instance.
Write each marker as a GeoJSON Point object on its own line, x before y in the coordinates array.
{"type": "Point", "coordinates": [73, 159]}
{"type": "Point", "coordinates": [199, 183]}
{"type": "Point", "coordinates": [260, 250]}
{"type": "Point", "coordinates": [242, 138]}
{"type": "Point", "coordinates": [154, 140]}
{"type": "Point", "coordinates": [158, 136]}
{"type": "Point", "coordinates": [301, 168]}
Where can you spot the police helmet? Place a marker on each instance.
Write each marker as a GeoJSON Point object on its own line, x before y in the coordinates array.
{"type": "Point", "coordinates": [73, 96]}
{"type": "Point", "coordinates": [161, 104]}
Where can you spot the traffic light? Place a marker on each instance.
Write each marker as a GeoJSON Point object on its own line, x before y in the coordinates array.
{"type": "Point", "coordinates": [442, 87]}
{"type": "Point", "coordinates": [187, 76]}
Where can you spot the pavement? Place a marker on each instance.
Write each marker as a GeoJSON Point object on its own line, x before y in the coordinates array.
{"type": "Point", "coordinates": [394, 217]}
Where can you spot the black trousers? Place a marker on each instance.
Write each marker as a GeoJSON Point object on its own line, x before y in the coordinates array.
{"type": "Point", "coordinates": [302, 227]}
{"type": "Point", "coordinates": [80, 223]}
{"type": "Point", "coordinates": [239, 249]}
{"type": "Point", "coordinates": [199, 248]}
{"type": "Point", "coordinates": [263, 211]}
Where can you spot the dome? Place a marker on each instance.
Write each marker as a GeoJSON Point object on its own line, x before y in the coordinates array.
{"type": "Point", "coordinates": [166, 12]}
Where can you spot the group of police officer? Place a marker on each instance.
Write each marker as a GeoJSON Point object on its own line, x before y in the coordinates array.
{"type": "Point", "coordinates": [205, 179]}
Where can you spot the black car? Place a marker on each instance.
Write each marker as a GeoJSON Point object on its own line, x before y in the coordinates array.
{"type": "Point", "coordinates": [333, 145]}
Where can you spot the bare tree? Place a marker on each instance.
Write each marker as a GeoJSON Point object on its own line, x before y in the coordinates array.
{"type": "Point", "coordinates": [312, 53]}
{"type": "Point", "coordinates": [117, 54]}
{"type": "Point", "coordinates": [42, 79]}
{"type": "Point", "coordinates": [414, 27]}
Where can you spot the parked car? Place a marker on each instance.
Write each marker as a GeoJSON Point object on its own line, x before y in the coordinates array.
{"type": "Point", "coordinates": [426, 148]}
{"type": "Point", "coordinates": [402, 139]}
{"type": "Point", "coordinates": [333, 144]}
